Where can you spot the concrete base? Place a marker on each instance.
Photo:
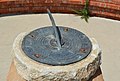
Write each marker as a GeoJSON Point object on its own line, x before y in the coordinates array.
{"type": "Point", "coordinates": [14, 76]}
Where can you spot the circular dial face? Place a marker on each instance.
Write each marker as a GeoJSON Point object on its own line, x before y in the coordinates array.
{"type": "Point", "coordinates": [41, 46]}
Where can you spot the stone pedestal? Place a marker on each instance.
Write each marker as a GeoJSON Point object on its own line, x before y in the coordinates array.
{"type": "Point", "coordinates": [31, 70]}
{"type": "Point", "coordinates": [14, 76]}
{"type": "Point", "coordinates": [27, 69]}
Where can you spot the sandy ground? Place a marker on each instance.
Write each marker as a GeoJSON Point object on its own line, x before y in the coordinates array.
{"type": "Point", "coordinates": [107, 33]}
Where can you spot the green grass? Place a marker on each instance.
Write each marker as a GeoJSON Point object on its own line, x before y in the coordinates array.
{"type": "Point", "coordinates": [84, 13]}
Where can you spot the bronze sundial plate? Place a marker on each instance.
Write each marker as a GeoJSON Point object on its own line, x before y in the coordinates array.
{"type": "Point", "coordinates": [41, 46]}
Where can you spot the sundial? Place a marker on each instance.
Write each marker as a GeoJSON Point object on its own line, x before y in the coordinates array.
{"type": "Point", "coordinates": [56, 45]}
{"type": "Point", "coordinates": [56, 53]}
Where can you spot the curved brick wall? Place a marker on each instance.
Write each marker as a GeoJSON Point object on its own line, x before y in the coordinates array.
{"type": "Point", "coordinates": [102, 8]}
